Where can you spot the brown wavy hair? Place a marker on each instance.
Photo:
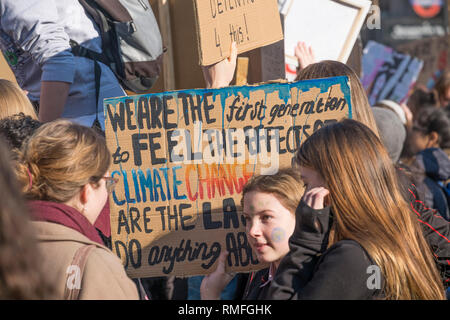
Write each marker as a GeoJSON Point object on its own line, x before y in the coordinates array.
{"type": "Point", "coordinates": [369, 208]}
{"type": "Point", "coordinates": [61, 158]}
{"type": "Point", "coordinates": [361, 109]}
{"type": "Point", "coordinates": [21, 274]}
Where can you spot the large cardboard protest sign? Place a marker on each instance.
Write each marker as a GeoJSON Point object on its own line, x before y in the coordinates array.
{"type": "Point", "coordinates": [435, 54]}
{"type": "Point", "coordinates": [182, 159]}
{"type": "Point", "coordinates": [250, 23]}
{"type": "Point", "coordinates": [330, 27]}
{"type": "Point", "coordinates": [388, 74]}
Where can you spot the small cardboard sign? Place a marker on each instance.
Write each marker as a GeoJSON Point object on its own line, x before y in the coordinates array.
{"type": "Point", "coordinates": [388, 74]}
{"type": "Point", "coordinates": [249, 23]}
{"type": "Point", "coordinates": [435, 53]}
{"type": "Point", "coordinates": [183, 157]}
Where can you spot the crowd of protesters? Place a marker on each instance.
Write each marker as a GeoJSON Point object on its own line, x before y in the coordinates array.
{"type": "Point", "coordinates": [368, 192]}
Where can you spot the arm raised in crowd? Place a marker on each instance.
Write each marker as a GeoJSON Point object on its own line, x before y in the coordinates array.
{"type": "Point", "coordinates": [221, 74]}
{"type": "Point", "coordinates": [34, 28]}
{"type": "Point", "coordinates": [305, 55]}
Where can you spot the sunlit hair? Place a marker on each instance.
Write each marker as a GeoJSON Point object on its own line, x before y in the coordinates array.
{"type": "Point", "coordinates": [13, 100]}
{"type": "Point", "coordinates": [361, 109]}
{"type": "Point", "coordinates": [369, 208]}
{"type": "Point", "coordinates": [21, 272]}
{"type": "Point", "coordinates": [286, 185]}
{"type": "Point", "coordinates": [61, 158]}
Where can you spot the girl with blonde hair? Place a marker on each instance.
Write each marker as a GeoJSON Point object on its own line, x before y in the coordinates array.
{"type": "Point", "coordinates": [63, 172]}
{"type": "Point", "coordinates": [355, 232]}
{"type": "Point", "coordinates": [14, 101]}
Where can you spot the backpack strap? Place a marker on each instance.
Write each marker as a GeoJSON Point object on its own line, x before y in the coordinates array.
{"type": "Point", "coordinates": [79, 260]}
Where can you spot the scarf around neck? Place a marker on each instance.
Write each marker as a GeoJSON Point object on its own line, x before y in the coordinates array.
{"type": "Point", "coordinates": [64, 215]}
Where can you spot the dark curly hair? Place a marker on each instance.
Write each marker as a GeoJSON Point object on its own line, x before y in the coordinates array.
{"type": "Point", "coordinates": [431, 119]}
{"type": "Point", "coordinates": [17, 128]}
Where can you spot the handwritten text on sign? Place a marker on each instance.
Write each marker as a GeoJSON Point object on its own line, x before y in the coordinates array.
{"type": "Point", "coordinates": [183, 157]}
{"type": "Point", "coordinates": [249, 23]}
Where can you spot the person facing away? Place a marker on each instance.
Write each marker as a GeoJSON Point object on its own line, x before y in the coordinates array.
{"type": "Point", "coordinates": [355, 235]}
{"type": "Point", "coordinates": [63, 172]}
{"type": "Point", "coordinates": [268, 206]}
{"type": "Point", "coordinates": [429, 135]}
{"type": "Point", "coordinates": [35, 40]}
{"type": "Point", "coordinates": [435, 229]}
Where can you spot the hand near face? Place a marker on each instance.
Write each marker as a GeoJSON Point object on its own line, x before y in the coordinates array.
{"type": "Point", "coordinates": [221, 74]}
{"type": "Point", "coordinates": [315, 197]}
{"type": "Point", "coordinates": [214, 283]}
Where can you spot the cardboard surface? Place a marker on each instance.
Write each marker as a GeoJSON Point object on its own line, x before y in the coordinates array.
{"type": "Point", "coordinates": [388, 74]}
{"type": "Point", "coordinates": [435, 54]}
{"type": "Point", "coordinates": [183, 157]}
{"type": "Point", "coordinates": [250, 23]}
{"type": "Point", "coordinates": [330, 27]}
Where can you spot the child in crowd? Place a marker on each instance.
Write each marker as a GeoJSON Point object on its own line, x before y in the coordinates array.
{"type": "Point", "coordinates": [355, 236]}
{"type": "Point", "coordinates": [268, 203]}
{"type": "Point", "coordinates": [428, 137]}
{"type": "Point", "coordinates": [13, 100]}
{"type": "Point", "coordinates": [63, 171]}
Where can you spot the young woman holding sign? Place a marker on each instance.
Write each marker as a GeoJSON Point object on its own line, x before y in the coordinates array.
{"type": "Point", "coordinates": [269, 203]}
{"type": "Point", "coordinates": [63, 171]}
{"type": "Point", "coordinates": [356, 237]}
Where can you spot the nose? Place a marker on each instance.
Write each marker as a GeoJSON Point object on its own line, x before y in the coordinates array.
{"type": "Point", "coordinates": [254, 230]}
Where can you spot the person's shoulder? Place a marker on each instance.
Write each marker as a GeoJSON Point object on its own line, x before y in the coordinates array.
{"type": "Point", "coordinates": [106, 278]}
{"type": "Point", "coordinates": [348, 251]}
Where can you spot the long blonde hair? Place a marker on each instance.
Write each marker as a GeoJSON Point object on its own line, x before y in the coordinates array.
{"type": "Point", "coordinates": [13, 100]}
{"type": "Point", "coordinates": [369, 208]}
{"type": "Point", "coordinates": [362, 110]}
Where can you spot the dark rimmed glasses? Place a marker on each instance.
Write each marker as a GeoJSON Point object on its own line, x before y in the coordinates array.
{"type": "Point", "coordinates": [110, 183]}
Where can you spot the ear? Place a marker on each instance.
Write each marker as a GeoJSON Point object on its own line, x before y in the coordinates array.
{"type": "Point", "coordinates": [433, 139]}
{"type": "Point", "coordinates": [84, 193]}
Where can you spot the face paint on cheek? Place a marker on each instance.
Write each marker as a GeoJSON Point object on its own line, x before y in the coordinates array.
{"type": "Point", "coordinates": [278, 235]}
